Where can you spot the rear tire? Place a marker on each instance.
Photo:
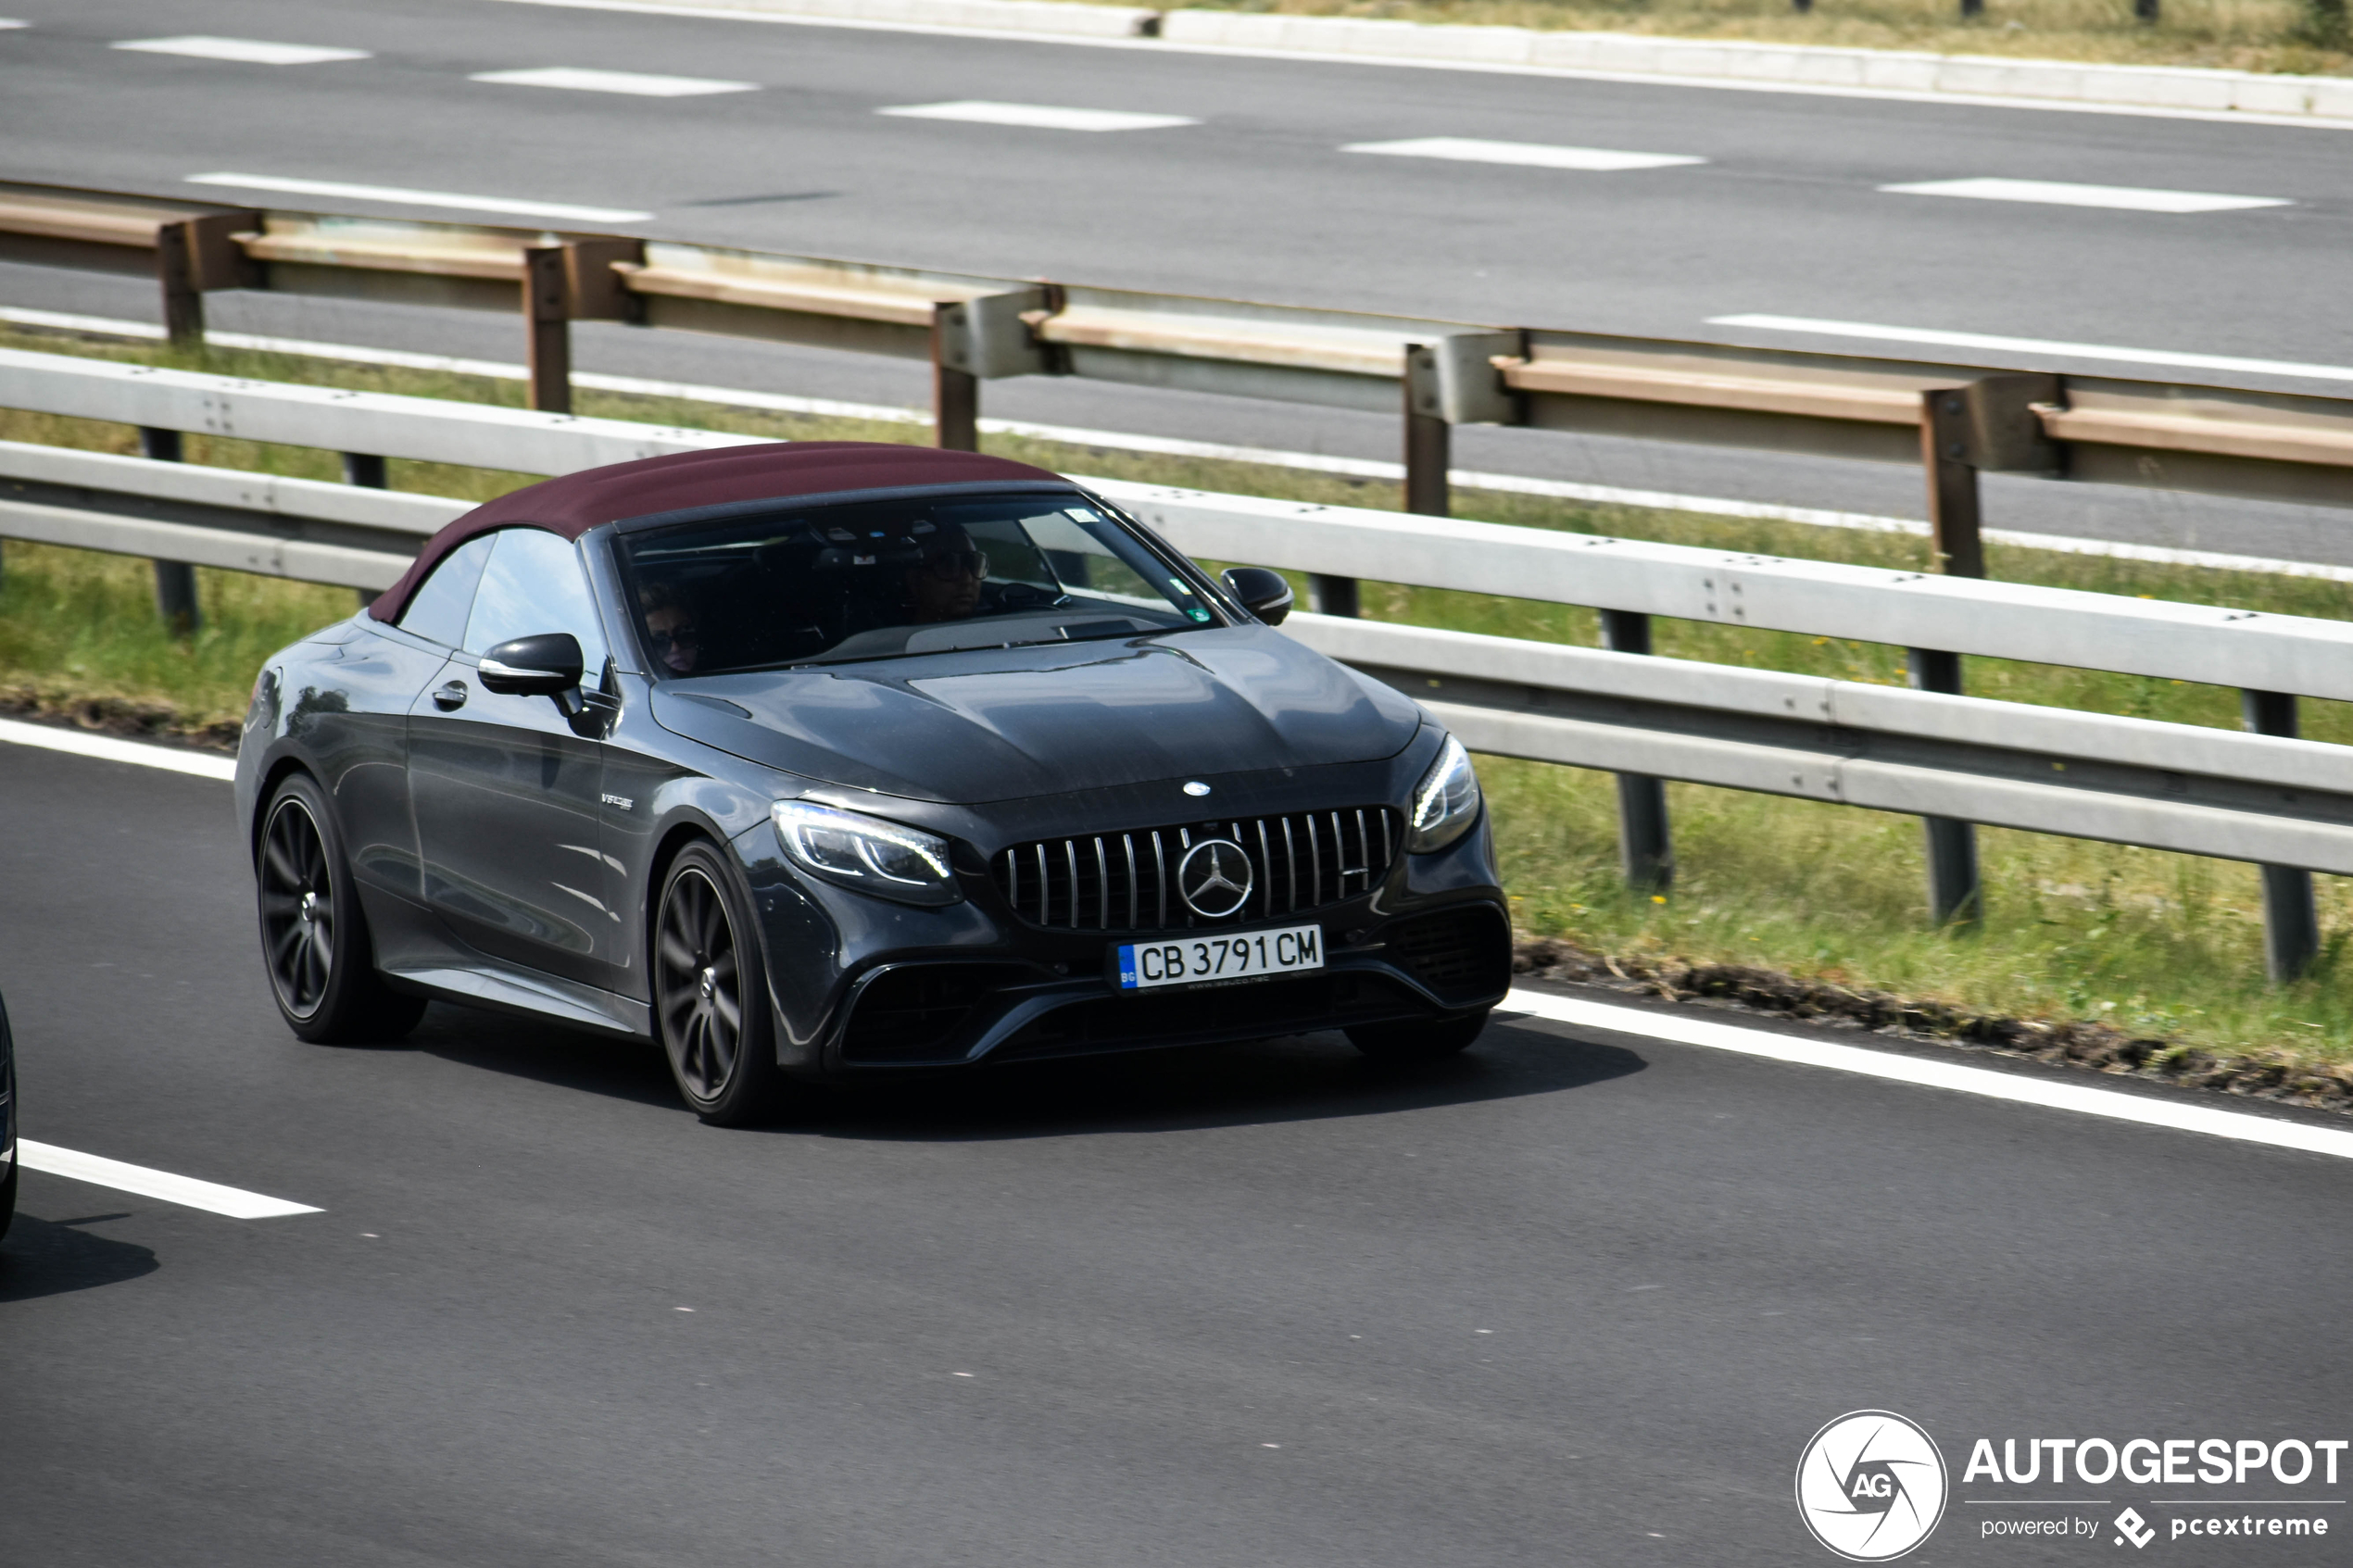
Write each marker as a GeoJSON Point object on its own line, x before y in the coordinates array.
{"type": "Point", "coordinates": [1420, 1039]}
{"type": "Point", "coordinates": [710, 994]}
{"type": "Point", "coordinates": [314, 936]}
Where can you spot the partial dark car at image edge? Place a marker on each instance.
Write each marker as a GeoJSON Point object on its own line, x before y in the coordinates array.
{"type": "Point", "coordinates": [837, 759]}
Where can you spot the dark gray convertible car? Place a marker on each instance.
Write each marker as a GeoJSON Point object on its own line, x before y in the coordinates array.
{"type": "Point", "coordinates": [828, 759]}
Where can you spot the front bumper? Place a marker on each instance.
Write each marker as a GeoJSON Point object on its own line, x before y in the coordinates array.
{"type": "Point", "coordinates": [864, 987]}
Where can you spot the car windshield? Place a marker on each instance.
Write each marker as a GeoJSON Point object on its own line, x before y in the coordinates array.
{"type": "Point", "coordinates": [890, 579]}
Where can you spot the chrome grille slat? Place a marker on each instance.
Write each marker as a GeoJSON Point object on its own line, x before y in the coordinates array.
{"type": "Point", "coordinates": [1357, 861]}
{"type": "Point", "coordinates": [1128, 842]}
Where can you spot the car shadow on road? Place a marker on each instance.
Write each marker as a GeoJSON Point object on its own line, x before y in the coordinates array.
{"type": "Point", "coordinates": [543, 1053]}
{"type": "Point", "coordinates": [55, 1257]}
{"type": "Point", "coordinates": [1305, 1077]}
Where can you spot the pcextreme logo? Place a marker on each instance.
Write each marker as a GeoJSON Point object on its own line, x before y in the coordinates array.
{"type": "Point", "coordinates": [1871, 1486]}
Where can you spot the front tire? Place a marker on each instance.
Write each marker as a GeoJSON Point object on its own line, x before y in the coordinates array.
{"type": "Point", "coordinates": [710, 994]}
{"type": "Point", "coordinates": [314, 939]}
{"type": "Point", "coordinates": [1420, 1039]}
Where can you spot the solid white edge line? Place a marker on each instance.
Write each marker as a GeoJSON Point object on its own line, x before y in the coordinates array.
{"type": "Point", "coordinates": [1313, 462]}
{"type": "Point", "coordinates": [2019, 1088]}
{"type": "Point", "coordinates": [1557, 73]}
{"type": "Point", "coordinates": [1873, 331]}
{"type": "Point", "coordinates": [98, 1170]}
{"type": "Point", "coordinates": [111, 748]}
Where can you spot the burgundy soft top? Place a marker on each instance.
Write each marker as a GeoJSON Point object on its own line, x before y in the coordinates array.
{"type": "Point", "coordinates": [577, 502]}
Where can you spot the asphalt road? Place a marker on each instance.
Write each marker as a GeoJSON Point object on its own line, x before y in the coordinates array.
{"type": "Point", "coordinates": [1573, 1298]}
{"type": "Point", "coordinates": [1785, 216]}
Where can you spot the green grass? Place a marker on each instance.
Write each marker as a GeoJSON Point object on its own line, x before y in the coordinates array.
{"type": "Point", "coordinates": [2260, 35]}
{"type": "Point", "coordinates": [2160, 944]}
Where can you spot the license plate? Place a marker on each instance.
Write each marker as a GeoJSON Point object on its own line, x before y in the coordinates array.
{"type": "Point", "coordinates": [1238, 955]}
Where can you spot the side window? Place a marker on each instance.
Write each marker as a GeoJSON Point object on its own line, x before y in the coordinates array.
{"type": "Point", "coordinates": [438, 609]}
{"type": "Point", "coordinates": [535, 584]}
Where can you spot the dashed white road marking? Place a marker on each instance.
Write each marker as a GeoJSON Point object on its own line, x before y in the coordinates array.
{"type": "Point", "coordinates": [636, 84]}
{"type": "Point", "coordinates": [2000, 344]}
{"type": "Point", "coordinates": [2182, 1113]}
{"type": "Point", "coordinates": [1536, 155]}
{"type": "Point", "coordinates": [211, 1197]}
{"type": "Point", "coordinates": [250, 51]}
{"type": "Point", "coordinates": [406, 197]}
{"type": "Point", "coordinates": [110, 749]}
{"type": "Point", "coordinates": [1044, 117]}
{"type": "Point", "coordinates": [2130, 198]}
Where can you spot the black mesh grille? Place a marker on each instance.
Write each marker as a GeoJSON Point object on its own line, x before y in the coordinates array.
{"type": "Point", "coordinates": [1127, 881]}
{"type": "Point", "coordinates": [914, 1014]}
{"type": "Point", "coordinates": [1461, 954]}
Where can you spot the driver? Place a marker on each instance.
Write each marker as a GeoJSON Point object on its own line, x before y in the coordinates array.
{"type": "Point", "coordinates": [669, 627]}
{"type": "Point", "coordinates": [945, 584]}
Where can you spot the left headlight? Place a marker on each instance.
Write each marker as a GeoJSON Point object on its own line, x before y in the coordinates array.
{"type": "Point", "coordinates": [1445, 802]}
{"type": "Point", "coordinates": [885, 859]}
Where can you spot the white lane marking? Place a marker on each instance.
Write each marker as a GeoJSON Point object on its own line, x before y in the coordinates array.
{"type": "Point", "coordinates": [98, 1170]}
{"type": "Point", "coordinates": [2057, 193]}
{"type": "Point", "coordinates": [9, 22]}
{"type": "Point", "coordinates": [2000, 344]}
{"type": "Point", "coordinates": [1314, 462]}
{"type": "Point", "coordinates": [2180, 1115]}
{"type": "Point", "coordinates": [1467, 149]}
{"type": "Point", "coordinates": [110, 749]}
{"type": "Point", "coordinates": [406, 197]}
{"type": "Point", "coordinates": [251, 51]}
{"type": "Point", "coordinates": [1044, 117]}
{"type": "Point", "coordinates": [637, 84]}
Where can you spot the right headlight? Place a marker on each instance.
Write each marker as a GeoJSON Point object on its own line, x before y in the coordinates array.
{"type": "Point", "coordinates": [1445, 802]}
{"type": "Point", "coordinates": [886, 858]}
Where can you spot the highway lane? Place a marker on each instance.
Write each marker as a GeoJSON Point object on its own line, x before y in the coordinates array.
{"type": "Point", "coordinates": [1575, 1298]}
{"type": "Point", "coordinates": [1258, 199]}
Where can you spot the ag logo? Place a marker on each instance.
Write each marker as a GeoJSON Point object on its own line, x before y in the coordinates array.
{"type": "Point", "coordinates": [1215, 878]}
{"type": "Point", "coordinates": [1870, 1485]}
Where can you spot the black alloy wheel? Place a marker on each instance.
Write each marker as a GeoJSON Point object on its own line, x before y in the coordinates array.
{"type": "Point", "coordinates": [314, 939]}
{"type": "Point", "coordinates": [710, 994]}
{"type": "Point", "coordinates": [1420, 1040]}
{"type": "Point", "coordinates": [297, 909]}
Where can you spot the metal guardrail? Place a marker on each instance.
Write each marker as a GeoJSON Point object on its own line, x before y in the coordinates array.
{"type": "Point", "coordinates": [2284, 803]}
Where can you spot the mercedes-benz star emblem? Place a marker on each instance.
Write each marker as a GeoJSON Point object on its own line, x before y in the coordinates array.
{"type": "Point", "coordinates": [1215, 878]}
{"type": "Point", "coordinates": [1196, 787]}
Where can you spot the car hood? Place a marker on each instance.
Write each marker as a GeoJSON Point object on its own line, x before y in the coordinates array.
{"type": "Point", "coordinates": [1001, 723]}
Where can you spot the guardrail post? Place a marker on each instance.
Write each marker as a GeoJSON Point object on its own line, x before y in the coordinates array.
{"type": "Point", "coordinates": [1955, 893]}
{"type": "Point", "coordinates": [367, 471]}
{"type": "Point", "coordinates": [175, 580]}
{"type": "Point", "coordinates": [1948, 442]}
{"type": "Point", "coordinates": [176, 274]}
{"type": "Point", "coordinates": [547, 314]}
{"type": "Point", "coordinates": [955, 395]}
{"type": "Point", "coordinates": [1429, 438]}
{"type": "Point", "coordinates": [1332, 595]}
{"type": "Point", "coordinates": [2291, 924]}
{"type": "Point", "coordinates": [1645, 844]}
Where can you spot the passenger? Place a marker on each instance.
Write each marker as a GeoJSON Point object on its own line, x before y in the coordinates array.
{"type": "Point", "coordinates": [945, 585]}
{"type": "Point", "coordinates": [669, 627]}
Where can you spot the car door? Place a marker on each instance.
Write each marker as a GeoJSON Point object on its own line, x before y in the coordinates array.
{"type": "Point", "coordinates": [506, 790]}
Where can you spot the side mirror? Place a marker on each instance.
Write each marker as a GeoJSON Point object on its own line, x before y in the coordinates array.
{"type": "Point", "coordinates": [546, 665]}
{"type": "Point", "coordinates": [1264, 593]}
